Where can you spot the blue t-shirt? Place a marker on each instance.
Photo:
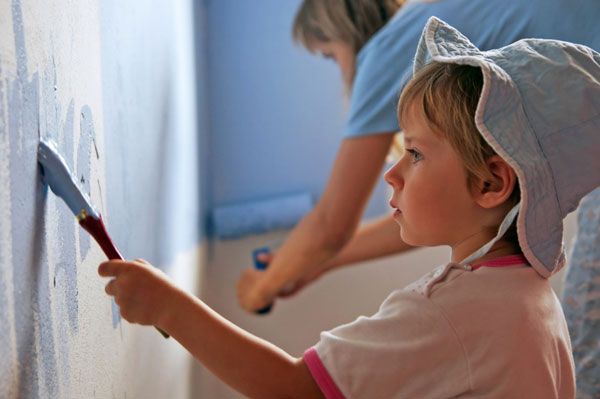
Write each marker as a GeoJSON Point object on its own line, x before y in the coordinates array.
{"type": "Point", "coordinates": [384, 64]}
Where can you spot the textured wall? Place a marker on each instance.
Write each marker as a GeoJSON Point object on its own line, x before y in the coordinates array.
{"type": "Point", "coordinates": [112, 83]}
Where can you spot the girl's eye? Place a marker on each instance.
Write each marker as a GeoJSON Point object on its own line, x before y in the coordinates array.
{"type": "Point", "coordinates": [415, 155]}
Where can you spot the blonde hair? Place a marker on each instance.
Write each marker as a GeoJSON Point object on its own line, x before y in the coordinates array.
{"type": "Point", "coordinates": [349, 21]}
{"type": "Point", "coordinates": [447, 95]}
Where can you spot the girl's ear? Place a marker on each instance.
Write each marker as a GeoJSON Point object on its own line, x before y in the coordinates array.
{"type": "Point", "coordinates": [498, 187]}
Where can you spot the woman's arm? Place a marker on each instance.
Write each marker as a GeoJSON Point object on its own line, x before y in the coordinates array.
{"type": "Point", "coordinates": [373, 240]}
{"type": "Point", "coordinates": [376, 239]}
{"type": "Point", "coordinates": [247, 363]}
{"type": "Point", "coordinates": [322, 233]}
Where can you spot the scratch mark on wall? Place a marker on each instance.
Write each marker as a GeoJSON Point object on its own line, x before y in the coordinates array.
{"type": "Point", "coordinates": [96, 147]}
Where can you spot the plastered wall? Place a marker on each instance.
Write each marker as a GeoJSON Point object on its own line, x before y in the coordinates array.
{"type": "Point", "coordinates": [112, 84]}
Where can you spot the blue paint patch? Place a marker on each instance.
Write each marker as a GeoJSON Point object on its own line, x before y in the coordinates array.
{"type": "Point", "coordinates": [67, 225]}
{"type": "Point", "coordinates": [23, 183]}
{"type": "Point", "coordinates": [22, 113]}
{"type": "Point", "coordinates": [33, 280]}
{"type": "Point", "coordinates": [45, 251]}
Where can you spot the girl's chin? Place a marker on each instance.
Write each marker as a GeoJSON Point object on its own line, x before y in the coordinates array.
{"type": "Point", "coordinates": [413, 241]}
{"type": "Point", "coordinates": [407, 238]}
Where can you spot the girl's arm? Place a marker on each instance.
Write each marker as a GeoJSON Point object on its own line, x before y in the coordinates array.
{"type": "Point", "coordinates": [247, 363]}
{"type": "Point", "coordinates": [322, 233]}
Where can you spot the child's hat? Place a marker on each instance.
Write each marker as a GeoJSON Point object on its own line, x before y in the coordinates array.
{"type": "Point", "coordinates": [540, 111]}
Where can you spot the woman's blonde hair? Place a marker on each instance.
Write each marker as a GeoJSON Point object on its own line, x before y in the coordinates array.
{"type": "Point", "coordinates": [349, 21]}
{"type": "Point", "coordinates": [448, 95]}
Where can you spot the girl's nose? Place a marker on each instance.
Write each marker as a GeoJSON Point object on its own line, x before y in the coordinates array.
{"type": "Point", "coordinates": [393, 175]}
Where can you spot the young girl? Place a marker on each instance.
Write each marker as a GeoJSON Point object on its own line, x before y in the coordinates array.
{"type": "Point", "coordinates": [487, 324]}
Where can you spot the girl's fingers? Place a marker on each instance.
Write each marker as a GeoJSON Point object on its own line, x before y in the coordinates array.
{"type": "Point", "coordinates": [107, 269]}
{"type": "Point", "coordinates": [111, 287]}
{"type": "Point", "coordinates": [112, 268]}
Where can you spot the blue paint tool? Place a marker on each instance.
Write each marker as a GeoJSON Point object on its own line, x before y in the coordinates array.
{"type": "Point", "coordinates": [59, 178]}
{"type": "Point", "coordinates": [261, 266]}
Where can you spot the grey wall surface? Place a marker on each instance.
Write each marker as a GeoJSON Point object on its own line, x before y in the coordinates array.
{"type": "Point", "coordinates": [112, 84]}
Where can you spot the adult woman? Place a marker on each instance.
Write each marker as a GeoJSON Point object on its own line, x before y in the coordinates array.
{"type": "Point", "coordinates": [373, 42]}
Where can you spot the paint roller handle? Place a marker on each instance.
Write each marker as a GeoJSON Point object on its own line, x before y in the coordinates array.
{"type": "Point", "coordinates": [261, 266]}
{"type": "Point", "coordinates": [97, 229]}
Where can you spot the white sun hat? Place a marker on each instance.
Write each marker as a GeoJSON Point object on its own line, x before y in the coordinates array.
{"type": "Point", "coordinates": [540, 111]}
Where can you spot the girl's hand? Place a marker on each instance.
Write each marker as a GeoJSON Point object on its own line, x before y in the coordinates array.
{"type": "Point", "coordinates": [140, 290]}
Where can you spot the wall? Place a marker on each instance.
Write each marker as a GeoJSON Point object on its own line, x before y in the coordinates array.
{"type": "Point", "coordinates": [112, 84]}
{"type": "Point", "coordinates": [276, 111]}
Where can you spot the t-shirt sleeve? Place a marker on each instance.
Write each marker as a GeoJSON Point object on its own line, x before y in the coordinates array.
{"type": "Point", "coordinates": [407, 349]}
{"type": "Point", "coordinates": [375, 93]}
{"type": "Point", "coordinates": [383, 67]}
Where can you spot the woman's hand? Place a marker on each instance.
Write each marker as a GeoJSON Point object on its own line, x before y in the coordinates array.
{"type": "Point", "coordinates": [251, 294]}
{"type": "Point", "coordinates": [140, 290]}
